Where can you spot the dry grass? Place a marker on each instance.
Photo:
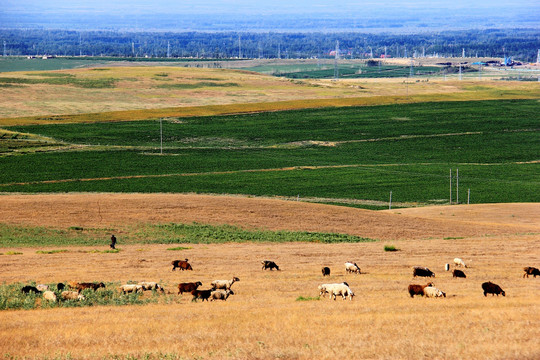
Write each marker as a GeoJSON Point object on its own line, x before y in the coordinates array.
{"type": "Point", "coordinates": [264, 320]}
{"type": "Point", "coordinates": [139, 94]}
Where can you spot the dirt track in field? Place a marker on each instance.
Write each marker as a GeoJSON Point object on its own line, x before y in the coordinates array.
{"type": "Point", "coordinates": [97, 210]}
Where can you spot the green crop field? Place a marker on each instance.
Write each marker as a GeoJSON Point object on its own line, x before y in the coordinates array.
{"type": "Point", "coordinates": [331, 155]}
{"type": "Point", "coordinates": [314, 71]}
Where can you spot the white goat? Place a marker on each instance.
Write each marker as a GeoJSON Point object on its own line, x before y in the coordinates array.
{"type": "Point", "coordinates": [151, 285]}
{"type": "Point", "coordinates": [49, 295]}
{"type": "Point", "coordinates": [129, 288]}
{"type": "Point", "coordinates": [224, 284]}
{"type": "Point", "coordinates": [42, 287]}
{"type": "Point", "coordinates": [72, 295]}
{"type": "Point", "coordinates": [220, 294]}
{"type": "Point", "coordinates": [342, 289]}
{"type": "Point", "coordinates": [351, 267]}
{"type": "Point", "coordinates": [433, 292]}
{"type": "Point", "coordinates": [459, 262]}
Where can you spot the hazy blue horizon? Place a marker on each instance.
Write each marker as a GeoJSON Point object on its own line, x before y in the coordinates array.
{"type": "Point", "coordinates": [246, 15]}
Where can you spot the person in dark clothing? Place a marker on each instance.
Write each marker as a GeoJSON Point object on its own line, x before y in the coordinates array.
{"type": "Point", "coordinates": [113, 242]}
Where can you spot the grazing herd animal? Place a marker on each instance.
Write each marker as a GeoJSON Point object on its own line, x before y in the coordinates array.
{"type": "Point", "coordinates": [529, 270]}
{"type": "Point", "coordinates": [188, 287]}
{"type": "Point", "coordinates": [267, 264]}
{"type": "Point", "coordinates": [221, 289]}
{"type": "Point", "coordinates": [220, 294]}
{"type": "Point", "coordinates": [459, 262]}
{"type": "Point", "coordinates": [181, 264]}
{"type": "Point", "coordinates": [334, 290]}
{"type": "Point", "coordinates": [493, 289]}
{"type": "Point", "coordinates": [351, 267]}
{"type": "Point", "coordinates": [224, 284]}
{"type": "Point", "coordinates": [415, 289]}
{"type": "Point", "coordinates": [422, 271]}
{"type": "Point", "coordinates": [72, 295]}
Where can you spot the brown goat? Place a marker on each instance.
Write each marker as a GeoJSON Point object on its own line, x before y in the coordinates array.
{"type": "Point", "coordinates": [188, 287]}
{"type": "Point", "coordinates": [418, 289]}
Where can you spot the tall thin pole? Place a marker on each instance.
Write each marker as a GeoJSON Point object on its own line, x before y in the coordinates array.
{"type": "Point", "coordinates": [468, 196]}
{"type": "Point", "coordinates": [390, 203]}
{"type": "Point", "coordinates": [457, 186]}
{"type": "Point", "coordinates": [450, 186]}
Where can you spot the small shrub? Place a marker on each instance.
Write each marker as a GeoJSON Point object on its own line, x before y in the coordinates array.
{"type": "Point", "coordinates": [13, 253]}
{"type": "Point", "coordinates": [78, 228]}
{"type": "Point", "coordinates": [308, 298]}
{"type": "Point", "coordinates": [390, 248]}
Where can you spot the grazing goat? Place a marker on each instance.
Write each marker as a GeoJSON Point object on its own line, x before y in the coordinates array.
{"type": "Point", "coordinates": [223, 284]}
{"type": "Point", "coordinates": [220, 294]}
{"type": "Point", "coordinates": [418, 289]}
{"type": "Point", "coordinates": [201, 294]}
{"type": "Point", "coordinates": [351, 267]}
{"type": "Point", "coordinates": [72, 295]}
{"type": "Point", "coordinates": [432, 292]}
{"type": "Point", "coordinates": [28, 289]}
{"type": "Point", "coordinates": [188, 287]}
{"type": "Point", "coordinates": [60, 286]}
{"type": "Point", "coordinates": [151, 285]}
{"type": "Point", "coordinates": [529, 270]}
{"type": "Point", "coordinates": [336, 289]}
{"type": "Point", "coordinates": [130, 288]}
{"type": "Point", "coordinates": [491, 288]}
{"type": "Point", "coordinates": [326, 271]}
{"type": "Point", "coordinates": [458, 273]}
{"type": "Point", "coordinates": [181, 264]}
{"type": "Point", "coordinates": [82, 286]}
{"type": "Point", "coordinates": [42, 287]}
{"type": "Point", "coordinates": [422, 271]}
{"type": "Point", "coordinates": [459, 262]}
{"type": "Point", "coordinates": [49, 295]}
{"type": "Point", "coordinates": [267, 264]}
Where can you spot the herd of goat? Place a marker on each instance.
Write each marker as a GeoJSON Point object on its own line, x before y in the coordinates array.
{"type": "Point", "coordinates": [221, 289]}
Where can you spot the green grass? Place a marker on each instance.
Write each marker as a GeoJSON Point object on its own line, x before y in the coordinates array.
{"type": "Point", "coordinates": [342, 154]}
{"type": "Point", "coordinates": [11, 298]}
{"type": "Point", "coordinates": [61, 79]}
{"type": "Point", "coordinates": [179, 248]}
{"type": "Point", "coordinates": [59, 251]}
{"type": "Point", "coordinates": [16, 236]}
{"type": "Point", "coordinates": [197, 85]}
{"type": "Point", "coordinates": [308, 298]}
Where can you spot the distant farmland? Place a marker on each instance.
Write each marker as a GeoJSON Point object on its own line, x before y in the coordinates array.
{"type": "Point", "coordinates": [344, 155]}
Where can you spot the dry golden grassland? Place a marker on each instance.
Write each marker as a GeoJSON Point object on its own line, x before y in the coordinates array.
{"type": "Point", "coordinates": [150, 92]}
{"type": "Point", "coordinates": [264, 319]}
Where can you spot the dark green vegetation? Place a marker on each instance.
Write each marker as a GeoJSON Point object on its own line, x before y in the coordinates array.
{"type": "Point", "coordinates": [11, 297]}
{"type": "Point", "coordinates": [339, 156]}
{"type": "Point", "coordinates": [60, 79]}
{"type": "Point", "coordinates": [355, 71]}
{"type": "Point", "coordinates": [522, 43]}
{"type": "Point", "coordinates": [390, 248]}
{"type": "Point", "coordinates": [12, 235]}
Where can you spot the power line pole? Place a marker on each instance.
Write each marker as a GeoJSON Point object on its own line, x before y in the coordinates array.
{"type": "Point", "coordinates": [5, 52]}
{"type": "Point", "coordinates": [168, 49]}
{"type": "Point", "coordinates": [336, 71]}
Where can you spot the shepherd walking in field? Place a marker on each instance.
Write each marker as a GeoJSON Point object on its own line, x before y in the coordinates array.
{"type": "Point", "coordinates": [113, 242]}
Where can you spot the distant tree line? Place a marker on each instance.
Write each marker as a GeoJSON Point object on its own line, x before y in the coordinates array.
{"type": "Point", "coordinates": [521, 44]}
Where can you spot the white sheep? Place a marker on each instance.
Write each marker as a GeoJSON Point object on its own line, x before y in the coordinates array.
{"type": "Point", "coordinates": [42, 287]}
{"type": "Point", "coordinates": [151, 285]}
{"type": "Point", "coordinates": [220, 294]}
{"type": "Point", "coordinates": [433, 292]}
{"type": "Point", "coordinates": [224, 284]}
{"type": "Point", "coordinates": [49, 295]}
{"type": "Point", "coordinates": [342, 289]}
{"type": "Point", "coordinates": [351, 267]}
{"type": "Point", "coordinates": [72, 295]}
{"type": "Point", "coordinates": [459, 262]}
{"type": "Point", "coordinates": [129, 288]}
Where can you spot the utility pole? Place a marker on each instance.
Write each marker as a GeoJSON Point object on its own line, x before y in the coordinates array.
{"type": "Point", "coordinates": [168, 49]}
{"type": "Point", "coordinates": [239, 47]}
{"type": "Point", "coordinates": [336, 57]}
{"type": "Point", "coordinates": [5, 52]}
{"type": "Point", "coordinates": [450, 186]}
